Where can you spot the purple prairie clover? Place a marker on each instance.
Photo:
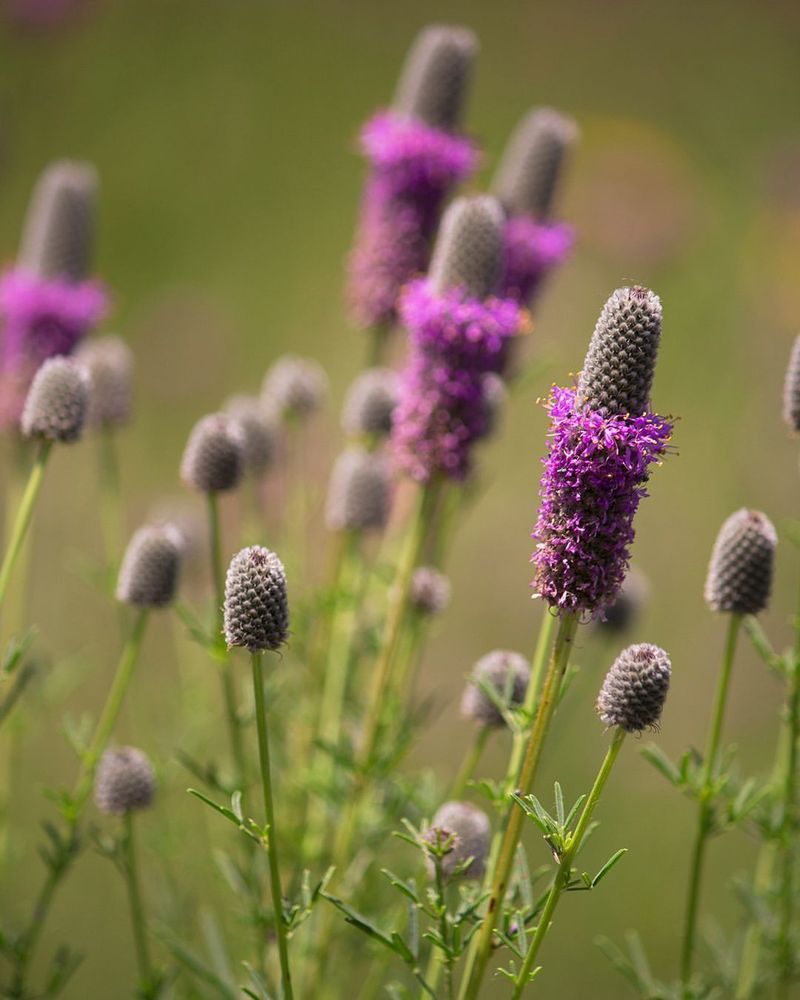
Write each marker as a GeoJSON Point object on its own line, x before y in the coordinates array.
{"type": "Point", "coordinates": [531, 251]}
{"type": "Point", "coordinates": [416, 159]}
{"type": "Point", "coordinates": [791, 390]}
{"type": "Point", "coordinates": [47, 301]}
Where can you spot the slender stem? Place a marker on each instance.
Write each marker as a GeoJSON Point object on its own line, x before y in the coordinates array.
{"type": "Point", "coordinates": [705, 807]}
{"type": "Point", "coordinates": [135, 900]}
{"type": "Point", "coordinates": [500, 873]}
{"type": "Point", "coordinates": [272, 851]}
{"type": "Point", "coordinates": [110, 496]}
{"type": "Point", "coordinates": [564, 873]}
{"type": "Point", "coordinates": [444, 929]}
{"type": "Point", "coordinates": [23, 518]}
{"type": "Point", "coordinates": [471, 762]}
{"type": "Point", "coordinates": [538, 663]}
{"type": "Point", "coordinates": [229, 693]}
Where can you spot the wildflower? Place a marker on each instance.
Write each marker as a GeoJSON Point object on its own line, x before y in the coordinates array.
{"type": "Point", "coordinates": [260, 429]}
{"type": "Point", "coordinates": [148, 576]}
{"type": "Point", "coordinates": [57, 403]}
{"type": "Point", "coordinates": [635, 688]}
{"type": "Point", "coordinates": [430, 591]}
{"type": "Point", "coordinates": [295, 386]}
{"type": "Point", "coordinates": [256, 603]}
{"type": "Point", "coordinates": [370, 402]}
{"type": "Point", "coordinates": [213, 460]}
{"type": "Point", "coordinates": [124, 781]}
{"type": "Point", "coordinates": [109, 362]}
{"type": "Point", "coordinates": [739, 577]}
{"type": "Point", "coordinates": [507, 674]}
{"type": "Point", "coordinates": [470, 830]}
{"type": "Point", "coordinates": [359, 493]}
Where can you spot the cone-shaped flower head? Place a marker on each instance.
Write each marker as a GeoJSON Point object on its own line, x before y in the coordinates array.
{"type": "Point", "coordinates": [58, 236]}
{"type": "Point", "coordinates": [740, 572]}
{"type": "Point", "coordinates": [58, 402]}
{"type": "Point", "coordinates": [148, 576]}
{"type": "Point", "coordinates": [635, 688]}
{"type": "Point", "coordinates": [214, 458]}
{"type": "Point", "coordinates": [416, 158]}
{"type": "Point", "coordinates": [296, 387]}
{"type": "Point", "coordinates": [124, 781]}
{"type": "Point", "coordinates": [370, 402]}
{"type": "Point", "coordinates": [791, 390]}
{"type": "Point", "coordinates": [256, 605]}
{"type": "Point", "coordinates": [458, 336]}
{"type": "Point", "coordinates": [436, 75]}
{"type": "Point", "coordinates": [526, 183]}
{"type": "Point", "coordinates": [621, 614]}
{"type": "Point", "coordinates": [472, 838]}
{"type": "Point", "coordinates": [47, 302]}
{"type": "Point", "coordinates": [261, 431]}
{"type": "Point", "coordinates": [359, 492]}
{"type": "Point", "coordinates": [430, 591]}
{"type": "Point", "coordinates": [502, 671]}
{"type": "Point", "coordinates": [109, 362]}
{"type": "Point", "coordinates": [618, 371]}
{"type": "Point", "coordinates": [602, 444]}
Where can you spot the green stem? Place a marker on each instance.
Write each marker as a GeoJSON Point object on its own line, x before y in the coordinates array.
{"type": "Point", "coordinates": [110, 496]}
{"type": "Point", "coordinates": [564, 873]}
{"type": "Point", "coordinates": [137, 910]}
{"type": "Point", "coordinates": [705, 808]}
{"type": "Point", "coordinates": [471, 762]}
{"type": "Point", "coordinates": [272, 851]}
{"type": "Point", "coordinates": [23, 518]}
{"type": "Point", "coordinates": [500, 873]}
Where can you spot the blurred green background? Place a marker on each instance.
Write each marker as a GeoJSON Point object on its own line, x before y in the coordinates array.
{"type": "Point", "coordinates": [223, 131]}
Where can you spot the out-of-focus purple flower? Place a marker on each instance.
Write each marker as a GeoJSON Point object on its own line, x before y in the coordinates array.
{"type": "Point", "coordinates": [531, 251]}
{"type": "Point", "coordinates": [416, 159]}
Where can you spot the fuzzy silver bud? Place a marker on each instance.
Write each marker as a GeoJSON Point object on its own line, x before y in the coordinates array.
{"type": "Point", "coordinates": [260, 428]}
{"type": "Point", "coordinates": [434, 80]}
{"type": "Point", "coordinates": [791, 390]}
{"type": "Point", "coordinates": [505, 672]}
{"type": "Point", "coordinates": [739, 577]}
{"type": "Point", "coordinates": [472, 838]}
{"type": "Point", "coordinates": [57, 402]}
{"type": "Point", "coordinates": [635, 688]}
{"type": "Point", "coordinates": [109, 362]}
{"type": "Point", "coordinates": [617, 374]}
{"type": "Point", "coordinates": [295, 386]}
{"type": "Point", "coordinates": [214, 457]}
{"type": "Point", "coordinates": [469, 247]}
{"type": "Point", "coordinates": [430, 591]}
{"type": "Point", "coordinates": [58, 234]}
{"type": "Point", "coordinates": [124, 782]}
{"type": "Point", "coordinates": [359, 492]}
{"type": "Point", "coordinates": [148, 576]}
{"type": "Point", "coordinates": [533, 161]}
{"type": "Point", "coordinates": [370, 402]}
{"type": "Point", "coordinates": [256, 603]}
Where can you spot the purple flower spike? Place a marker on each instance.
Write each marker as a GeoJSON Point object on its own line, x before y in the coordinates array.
{"type": "Point", "coordinates": [531, 251]}
{"type": "Point", "coordinates": [455, 341]}
{"type": "Point", "coordinates": [593, 481]}
{"type": "Point", "coordinates": [41, 318]}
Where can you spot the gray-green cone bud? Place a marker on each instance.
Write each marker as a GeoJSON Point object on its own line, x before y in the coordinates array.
{"type": "Point", "coordinates": [635, 688]}
{"type": "Point", "coordinates": [472, 838]}
{"type": "Point", "coordinates": [256, 603]}
{"type": "Point", "coordinates": [505, 672]}
{"type": "Point", "coordinates": [791, 390]}
{"type": "Point", "coordinates": [359, 492]}
{"type": "Point", "coordinates": [260, 428]}
{"type": "Point", "coordinates": [469, 247]}
{"type": "Point", "coordinates": [430, 591]}
{"type": "Point", "coordinates": [617, 374]}
{"type": "Point", "coordinates": [528, 175]}
{"type": "Point", "coordinates": [148, 576]}
{"type": "Point", "coordinates": [109, 362]}
{"type": "Point", "coordinates": [295, 386]}
{"type": "Point", "coordinates": [57, 402]}
{"type": "Point", "coordinates": [124, 781]}
{"type": "Point", "coordinates": [435, 77]}
{"type": "Point", "coordinates": [740, 572]}
{"type": "Point", "coordinates": [58, 235]}
{"type": "Point", "coordinates": [370, 402]}
{"type": "Point", "coordinates": [214, 457]}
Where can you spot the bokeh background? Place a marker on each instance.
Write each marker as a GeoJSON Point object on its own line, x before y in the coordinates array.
{"type": "Point", "coordinates": [224, 134]}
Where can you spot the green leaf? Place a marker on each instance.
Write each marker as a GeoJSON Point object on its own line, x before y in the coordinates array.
{"type": "Point", "coordinates": [559, 797]}
{"type": "Point", "coordinates": [401, 886]}
{"type": "Point", "coordinates": [361, 922]}
{"type": "Point", "coordinates": [402, 949]}
{"type": "Point", "coordinates": [615, 857]}
{"type": "Point", "coordinates": [661, 762]}
{"type": "Point", "coordinates": [229, 815]}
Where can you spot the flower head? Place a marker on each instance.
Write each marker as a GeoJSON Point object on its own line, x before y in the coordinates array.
{"type": "Point", "coordinates": [148, 576]}
{"type": "Point", "coordinates": [430, 591]}
{"type": "Point", "coordinates": [256, 603]}
{"type": "Point", "coordinates": [635, 688]}
{"type": "Point", "coordinates": [359, 493]}
{"type": "Point", "coordinates": [739, 577]}
{"type": "Point", "coordinates": [504, 672]}
{"type": "Point", "coordinates": [124, 781]}
{"type": "Point", "coordinates": [295, 386]}
{"type": "Point", "coordinates": [58, 401]}
{"type": "Point", "coordinates": [370, 402]}
{"type": "Point", "coordinates": [214, 457]}
{"type": "Point", "coordinates": [109, 362]}
{"type": "Point", "coordinates": [471, 834]}
{"type": "Point", "coordinates": [261, 431]}
{"type": "Point", "coordinates": [436, 74]}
